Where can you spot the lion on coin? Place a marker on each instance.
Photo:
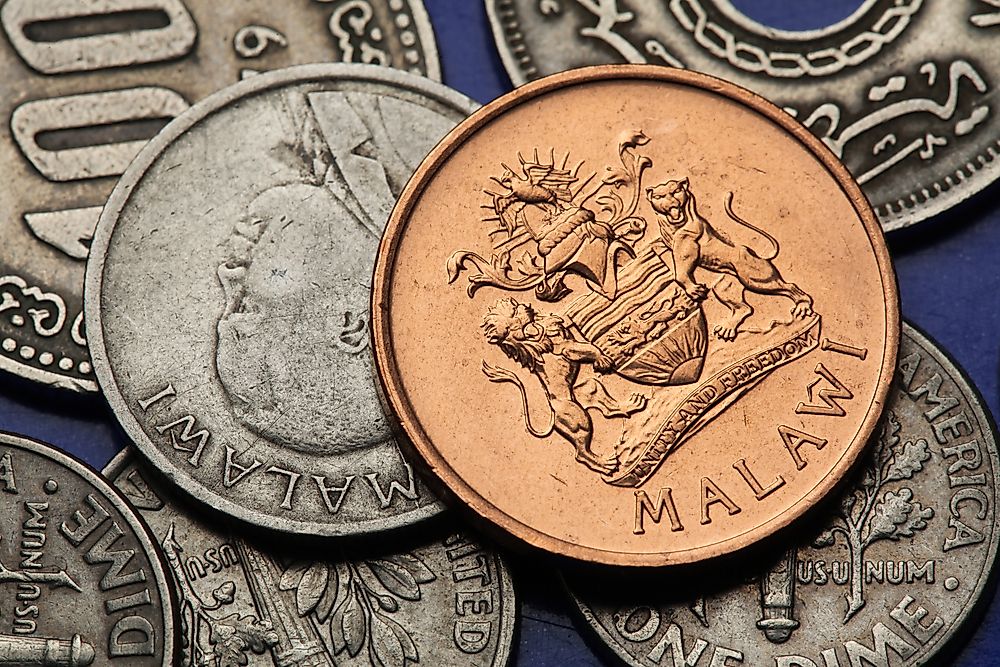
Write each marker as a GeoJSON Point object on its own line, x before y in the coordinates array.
{"type": "Point", "coordinates": [543, 345]}
{"type": "Point", "coordinates": [695, 242]}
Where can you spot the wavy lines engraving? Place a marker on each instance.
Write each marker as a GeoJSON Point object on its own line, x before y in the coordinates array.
{"type": "Point", "coordinates": [47, 317]}
{"type": "Point", "coordinates": [838, 138]}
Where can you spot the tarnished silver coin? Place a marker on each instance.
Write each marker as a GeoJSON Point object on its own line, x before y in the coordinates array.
{"type": "Point", "coordinates": [443, 603]}
{"type": "Point", "coordinates": [80, 578]}
{"type": "Point", "coordinates": [902, 90]}
{"type": "Point", "coordinates": [88, 82]}
{"type": "Point", "coordinates": [889, 579]}
{"type": "Point", "coordinates": [228, 295]}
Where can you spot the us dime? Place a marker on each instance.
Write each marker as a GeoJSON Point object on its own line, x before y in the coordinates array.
{"type": "Point", "coordinates": [80, 579]}
{"type": "Point", "coordinates": [87, 83]}
{"type": "Point", "coordinates": [448, 602]}
{"type": "Point", "coordinates": [228, 295]}
{"type": "Point", "coordinates": [902, 563]}
{"type": "Point", "coordinates": [901, 90]}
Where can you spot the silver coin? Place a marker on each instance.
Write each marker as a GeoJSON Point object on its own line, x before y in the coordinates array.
{"type": "Point", "coordinates": [889, 579]}
{"type": "Point", "coordinates": [445, 602]}
{"type": "Point", "coordinates": [228, 295]}
{"type": "Point", "coordinates": [901, 90]}
{"type": "Point", "coordinates": [87, 82]}
{"type": "Point", "coordinates": [81, 582]}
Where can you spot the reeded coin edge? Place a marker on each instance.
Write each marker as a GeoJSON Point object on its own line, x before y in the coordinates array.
{"type": "Point", "coordinates": [382, 303]}
{"type": "Point", "coordinates": [508, 612]}
{"type": "Point", "coordinates": [93, 280]}
{"type": "Point", "coordinates": [986, 579]}
{"type": "Point", "coordinates": [918, 205]}
{"type": "Point", "coordinates": [164, 584]}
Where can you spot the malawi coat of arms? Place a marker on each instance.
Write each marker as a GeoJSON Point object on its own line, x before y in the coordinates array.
{"type": "Point", "coordinates": [662, 306]}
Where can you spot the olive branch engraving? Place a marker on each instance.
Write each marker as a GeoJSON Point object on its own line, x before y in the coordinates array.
{"type": "Point", "coordinates": [871, 512]}
{"type": "Point", "coordinates": [352, 602]}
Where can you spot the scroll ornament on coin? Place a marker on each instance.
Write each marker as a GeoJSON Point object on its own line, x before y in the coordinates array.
{"type": "Point", "coordinates": [642, 316]}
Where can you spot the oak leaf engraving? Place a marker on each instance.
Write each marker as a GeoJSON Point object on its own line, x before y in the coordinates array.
{"type": "Point", "coordinates": [234, 635]}
{"type": "Point", "coordinates": [908, 461]}
{"type": "Point", "coordinates": [895, 516]}
{"type": "Point", "coordinates": [872, 511]}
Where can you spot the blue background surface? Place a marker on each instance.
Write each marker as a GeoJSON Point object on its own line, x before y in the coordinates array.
{"type": "Point", "coordinates": [947, 275]}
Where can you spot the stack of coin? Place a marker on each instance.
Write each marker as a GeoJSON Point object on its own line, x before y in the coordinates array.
{"type": "Point", "coordinates": [633, 321]}
{"type": "Point", "coordinates": [326, 149]}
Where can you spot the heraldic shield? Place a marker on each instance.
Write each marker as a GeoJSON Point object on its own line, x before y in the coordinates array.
{"type": "Point", "coordinates": [652, 331]}
{"type": "Point", "coordinates": [662, 319]}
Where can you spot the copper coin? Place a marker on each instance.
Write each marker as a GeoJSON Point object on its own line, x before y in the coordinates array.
{"type": "Point", "coordinates": [635, 316]}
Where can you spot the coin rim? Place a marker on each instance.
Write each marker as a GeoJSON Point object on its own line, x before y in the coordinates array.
{"type": "Point", "coordinates": [508, 38]}
{"type": "Point", "coordinates": [391, 380]}
{"type": "Point", "coordinates": [986, 580]}
{"type": "Point", "coordinates": [143, 533]}
{"type": "Point", "coordinates": [508, 616]}
{"type": "Point", "coordinates": [94, 277]}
